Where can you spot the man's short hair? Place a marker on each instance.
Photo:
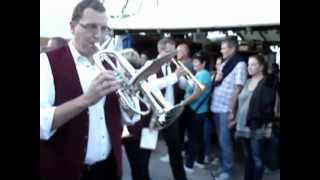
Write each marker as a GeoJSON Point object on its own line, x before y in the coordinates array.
{"type": "Point", "coordinates": [132, 56]}
{"type": "Point", "coordinates": [93, 4]}
{"type": "Point", "coordinates": [162, 43]}
{"type": "Point", "coordinates": [231, 41]}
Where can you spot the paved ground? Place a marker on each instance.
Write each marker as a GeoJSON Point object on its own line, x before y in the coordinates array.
{"type": "Point", "coordinates": [161, 171]}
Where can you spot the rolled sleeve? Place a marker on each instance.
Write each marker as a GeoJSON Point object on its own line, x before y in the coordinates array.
{"type": "Point", "coordinates": [163, 82]}
{"type": "Point", "coordinates": [183, 83]}
{"type": "Point", "coordinates": [47, 96]}
{"type": "Point", "coordinates": [241, 73]}
{"type": "Point", "coordinates": [46, 119]}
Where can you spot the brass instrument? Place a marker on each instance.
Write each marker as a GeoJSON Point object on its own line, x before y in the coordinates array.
{"type": "Point", "coordinates": [191, 79]}
{"type": "Point", "coordinates": [164, 114]}
{"type": "Point", "coordinates": [134, 84]}
{"type": "Point", "coordinates": [127, 93]}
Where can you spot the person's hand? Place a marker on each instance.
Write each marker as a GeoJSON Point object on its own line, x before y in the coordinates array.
{"type": "Point", "coordinates": [231, 116]}
{"type": "Point", "coordinates": [268, 132]}
{"type": "Point", "coordinates": [231, 120]}
{"type": "Point", "coordinates": [104, 84]}
{"type": "Point", "coordinates": [219, 76]}
{"type": "Point", "coordinates": [179, 72]}
{"type": "Point", "coordinates": [232, 124]}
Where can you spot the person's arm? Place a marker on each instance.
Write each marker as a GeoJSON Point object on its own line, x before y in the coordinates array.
{"type": "Point", "coordinates": [165, 81]}
{"type": "Point", "coordinates": [196, 89]}
{"type": "Point", "coordinates": [277, 105]}
{"type": "Point", "coordinates": [232, 106]}
{"type": "Point", "coordinates": [240, 79]}
{"type": "Point", "coordinates": [183, 83]}
{"type": "Point", "coordinates": [195, 94]}
{"type": "Point", "coordinates": [52, 117]}
{"type": "Point", "coordinates": [269, 96]}
{"type": "Point", "coordinates": [47, 96]}
{"type": "Point", "coordinates": [102, 85]}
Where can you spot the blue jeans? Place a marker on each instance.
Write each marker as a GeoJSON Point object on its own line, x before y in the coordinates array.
{"type": "Point", "coordinates": [271, 150]}
{"type": "Point", "coordinates": [225, 142]}
{"type": "Point", "coordinates": [254, 165]}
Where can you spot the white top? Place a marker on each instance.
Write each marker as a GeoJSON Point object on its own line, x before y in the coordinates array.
{"type": "Point", "coordinates": [99, 145]}
{"type": "Point", "coordinates": [167, 82]}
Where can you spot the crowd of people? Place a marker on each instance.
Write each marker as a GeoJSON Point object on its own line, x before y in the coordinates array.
{"type": "Point", "coordinates": [81, 117]}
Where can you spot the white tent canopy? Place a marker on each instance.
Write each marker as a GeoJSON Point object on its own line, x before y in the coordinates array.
{"type": "Point", "coordinates": [165, 14]}
{"type": "Point", "coordinates": [181, 14]}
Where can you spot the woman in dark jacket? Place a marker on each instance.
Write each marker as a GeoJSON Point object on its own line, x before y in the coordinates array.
{"type": "Point", "coordinates": [254, 115]}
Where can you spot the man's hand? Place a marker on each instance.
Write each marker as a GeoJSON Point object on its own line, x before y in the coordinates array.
{"type": "Point", "coordinates": [219, 76]}
{"type": "Point", "coordinates": [232, 124]}
{"type": "Point", "coordinates": [180, 71]}
{"type": "Point", "coordinates": [231, 116]}
{"type": "Point", "coordinates": [104, 84]}
{"type": "Point", "coordinates": [231, 119]}
{"type": "Point", "coordinates": [268, 132]}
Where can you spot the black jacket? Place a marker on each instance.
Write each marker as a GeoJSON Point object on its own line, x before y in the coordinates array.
{"type": "Point", "coordinates": [261, 107]}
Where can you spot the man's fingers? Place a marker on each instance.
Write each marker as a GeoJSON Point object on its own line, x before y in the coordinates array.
{"type": "Point", "coordinates": [110, 86]}
{"type": "Point", "coordinates": [105, 76]}
{"type": "Point", "coordinates": [106, 84]}
{"type": "Point", "coordinates": [110, 89]}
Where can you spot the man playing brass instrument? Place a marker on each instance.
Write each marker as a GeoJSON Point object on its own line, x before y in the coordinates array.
{"type": "Point", "coordinates": [165, 81]}
{"type": "Point", "coordinates": [80, 116]}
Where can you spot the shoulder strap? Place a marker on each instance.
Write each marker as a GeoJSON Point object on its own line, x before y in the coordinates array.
{"type": "Point", "coordinates": [229, 66]}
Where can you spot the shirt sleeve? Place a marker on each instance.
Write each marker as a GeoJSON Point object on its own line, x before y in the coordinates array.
{"type": "Point", "coordinates": [163, 82]}
{"type": "Point", "coordinates": [241, 73]}
{"type": "Point", "coordinates": [47, 95]}
{"type": "Point", "coordinates": [183, 83]}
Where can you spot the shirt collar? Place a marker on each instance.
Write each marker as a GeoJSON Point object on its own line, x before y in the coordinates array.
{"type": "Point", "coordinates": [75, 53]}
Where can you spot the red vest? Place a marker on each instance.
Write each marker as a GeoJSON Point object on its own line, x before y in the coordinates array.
{"type": "Point", "coordinates": [62, 156]}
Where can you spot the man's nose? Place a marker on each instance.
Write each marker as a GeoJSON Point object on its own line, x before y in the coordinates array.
{"type": "Point", "coordinates": [99, 34]}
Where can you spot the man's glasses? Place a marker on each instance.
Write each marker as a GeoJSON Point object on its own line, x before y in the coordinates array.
{"type": "Point", "coordinates": [94, 28]}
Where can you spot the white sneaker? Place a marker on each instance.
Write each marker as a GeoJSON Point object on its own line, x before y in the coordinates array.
{"type": "Point", "coordinates": [188, 170]}
{"type": "Point", "coordinates": [165, 158]}
{"type": "Point", "coordinates": [198, 165]}
{"type": "Point", "coordinates": [223, 176]}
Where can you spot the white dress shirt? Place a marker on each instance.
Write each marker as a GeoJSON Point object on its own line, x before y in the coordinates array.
{"type": "Point", "coordinates": [167, 82]}
{"type": "Point", "coordinates": [99, 145]}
